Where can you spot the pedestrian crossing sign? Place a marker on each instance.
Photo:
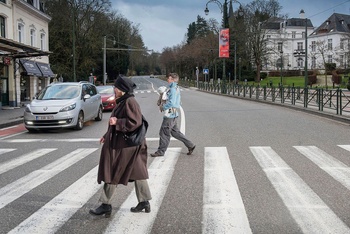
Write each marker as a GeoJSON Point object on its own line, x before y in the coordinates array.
{"type": "Point", "coordinates": [206, 71]}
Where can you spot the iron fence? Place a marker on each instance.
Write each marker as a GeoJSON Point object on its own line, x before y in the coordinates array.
{"type": "Point", "coordinates": [335, 101]}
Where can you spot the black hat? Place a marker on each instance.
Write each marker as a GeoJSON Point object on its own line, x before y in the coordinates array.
{"type": "Point", "coordinates": [124, 84]}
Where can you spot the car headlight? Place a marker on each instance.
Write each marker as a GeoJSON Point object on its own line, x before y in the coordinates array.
{"type": "Point", "coordinates": [27, 109]}
{"type": "Point", "coordinates": [112, 98]}
{"type": "Point", "coordinates": [68, 108]}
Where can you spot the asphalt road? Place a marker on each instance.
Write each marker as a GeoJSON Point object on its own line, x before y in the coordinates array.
{"type": "Point", "coordinates": [257, 168]}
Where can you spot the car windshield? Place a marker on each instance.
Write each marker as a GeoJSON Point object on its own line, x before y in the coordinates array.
{"type": "Point", "coordinates": [59, 92]}
{"type": "Point", "coordinates": [105, 89]}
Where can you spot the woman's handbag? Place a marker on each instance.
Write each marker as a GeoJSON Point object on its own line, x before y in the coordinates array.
{"type": "Point", "coordinates": [138, 135]}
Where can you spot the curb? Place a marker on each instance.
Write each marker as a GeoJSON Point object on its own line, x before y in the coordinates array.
{"type": "Point", "coordinates": [11, 123]}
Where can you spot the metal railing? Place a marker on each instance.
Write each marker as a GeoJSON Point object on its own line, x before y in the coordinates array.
{"type": "Point", "coordinates": [334, 101]}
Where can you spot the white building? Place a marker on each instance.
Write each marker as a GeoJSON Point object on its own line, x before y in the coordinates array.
{"type": "Point", "coordinates": [328, 43]}
{"type": "Point", "coordinates": [24, 62]}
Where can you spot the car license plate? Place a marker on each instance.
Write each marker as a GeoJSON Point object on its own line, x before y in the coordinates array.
{"type": "Point", "coordinates": [45, 117]}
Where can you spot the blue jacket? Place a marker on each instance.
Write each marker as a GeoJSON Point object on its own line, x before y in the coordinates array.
{"type": "Point", "coordinates": [173, 102]}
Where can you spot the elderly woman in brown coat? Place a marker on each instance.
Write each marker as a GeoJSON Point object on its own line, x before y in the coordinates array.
{"type": "Point", "coordinates": [119, 163]}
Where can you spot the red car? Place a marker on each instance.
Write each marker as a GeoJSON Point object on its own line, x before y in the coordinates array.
{"type": "Point", "coordinates": [107, 95]}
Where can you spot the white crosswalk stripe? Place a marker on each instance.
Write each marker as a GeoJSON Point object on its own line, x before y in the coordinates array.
{"type": "Point", "coordinates": [16, 189]}
{"type": "Point", "coordinates": [306, 207]}
{"type": "Point", "coordinates": [6, 166]}
{"type": "Point", "coordinates": [152, 91]}
{"type": "Point", "coordinates": [160, 173]}
{"type": "Point", "coordinates": [3, 151]}
{"type": "Point", "coordinates": [338, 170]}
{"type": "Point", "coordinates": [223, 210]}
{"type": "Point", "coordinates": [346, 147]}
{"type": "Point", "coordinates": [55, 213]}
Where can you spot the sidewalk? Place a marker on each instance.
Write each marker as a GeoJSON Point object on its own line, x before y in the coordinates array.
{"type": "Point", "coordinates": [10, 116]}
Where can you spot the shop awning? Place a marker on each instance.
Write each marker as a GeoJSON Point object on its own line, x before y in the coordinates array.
{"type": "Point", "coordinates": [30, 68]}
{"type": "Point", "coordinates": [16, 49]}
{"type": "Point", "coordinates": [45, 69]}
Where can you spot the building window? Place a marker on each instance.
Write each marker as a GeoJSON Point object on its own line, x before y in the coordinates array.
{"type": "Point", "coordinates": [341, 60]}
{"type": "Point", "coordinates": [300, 63]}
{"type": "Point", "coordinates": [303, 35]}
{"type": "Point", "coordinates": [42, 41]}
{"type": "Point", "coordinates": [32, 37]}
{"type": "Point", "coordinates": [300, 46]}
{"type": "Point", "coordinates": [341, 44]}
{"type": "Point", "coordinates": [313, 62]}
{"type": "Point", "coordinates": [313, 46]}
{"type": "Point", "coordinates": [2, 26]}
{"type": "Point", "coordinates": [330, 59]}
{"type": "Point", "coordinates": [20, 34]}
{"type": "Point", "coordinates": [4, 1]}
{"type": "Point", "coordinates": [280, 46]}
{"type": "Point", "coordinates": [330, 45]}
{"type": "Point", "coordinates": [293, 34]}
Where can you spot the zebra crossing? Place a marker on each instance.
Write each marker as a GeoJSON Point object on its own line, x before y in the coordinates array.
{"type": "Point", "coordinates": [152, 91]}
{"type": "Point", "coordinates": [223, 209]}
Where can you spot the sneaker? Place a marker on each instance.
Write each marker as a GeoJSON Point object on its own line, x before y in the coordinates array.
{"type": "Point", "coordinates": [190, 150]}
{"type": "Point", "coordinates": [156, 154]}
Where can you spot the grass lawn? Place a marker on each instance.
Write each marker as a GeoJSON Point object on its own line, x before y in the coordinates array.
{"type": "Point", "coordinates": [298, 81]}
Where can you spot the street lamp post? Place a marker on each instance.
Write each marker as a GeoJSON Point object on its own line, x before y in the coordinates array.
{"type": "Point", "coordinates": [235, 63]}
{"type": "Point", "coordinates": [104, 58]}
{"type": "Point", "coordinates": [281, 52]}
{"type": "Point", "coordinates": [222, 8]}
{"type": "Point", "coordinates": [73, 46]}
{"type": "Point", "coordinates": [306, 75]}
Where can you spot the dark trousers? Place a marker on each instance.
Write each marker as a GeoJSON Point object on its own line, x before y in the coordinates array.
{"type": "Point", "coordinates": [169, 128]}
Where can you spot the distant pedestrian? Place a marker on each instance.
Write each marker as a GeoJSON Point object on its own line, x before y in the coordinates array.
{"type": "Point", "coordinates": [120, 163]}
{"type": "Point", "coordinates": [169, 125]}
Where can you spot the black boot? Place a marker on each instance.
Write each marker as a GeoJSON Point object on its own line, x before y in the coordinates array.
{"type": "Point", "coordinates": [142, 205]}
{"type": "Point", "coordinates": [103, 209]}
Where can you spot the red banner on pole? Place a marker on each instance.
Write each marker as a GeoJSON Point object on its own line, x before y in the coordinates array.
{"type": "Point", "coordinates": [224, 43]}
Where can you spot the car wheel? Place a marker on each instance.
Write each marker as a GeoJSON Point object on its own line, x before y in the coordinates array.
{"type": "Point", "coordinates": [99, 114]}
{"type": "Point", "coordinates": [80, 121]}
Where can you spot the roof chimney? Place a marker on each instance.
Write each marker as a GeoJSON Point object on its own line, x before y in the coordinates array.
{"type": "Point", "coordinates": [302, 14]}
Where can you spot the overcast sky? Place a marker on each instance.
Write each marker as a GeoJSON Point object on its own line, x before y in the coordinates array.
{"type": "Point", "coordinates": [164, 23]}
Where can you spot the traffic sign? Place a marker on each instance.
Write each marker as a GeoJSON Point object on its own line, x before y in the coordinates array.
{"type": "Point", "coordinates": [205, 71]}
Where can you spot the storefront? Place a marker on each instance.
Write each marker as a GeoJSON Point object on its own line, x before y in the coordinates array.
{"type": "Point", "coordinates": [21, 76]}
{"type": "Point", "coordinates": [35, 76]}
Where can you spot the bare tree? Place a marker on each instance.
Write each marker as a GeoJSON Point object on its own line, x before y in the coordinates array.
{"type": "Point", "coordinates": [257, 16]}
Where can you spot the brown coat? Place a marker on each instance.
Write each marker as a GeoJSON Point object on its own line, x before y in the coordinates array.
{"type": "Point", "coordinates": [120, 164]}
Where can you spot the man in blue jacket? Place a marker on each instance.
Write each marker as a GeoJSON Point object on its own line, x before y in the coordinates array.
{"type": "Point", "coordinates": [169, 124]}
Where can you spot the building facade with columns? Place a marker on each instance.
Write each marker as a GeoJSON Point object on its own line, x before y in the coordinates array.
{"type": "Point", "coordinates": [24, 51]}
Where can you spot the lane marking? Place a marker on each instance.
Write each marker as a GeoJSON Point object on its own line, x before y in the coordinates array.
{"type": "Point", "coordinates": [335, 168]}
{"type": "Point", "coordinates": [223, 208]}
{"type": "Point", "coordinates": [305, 206]}
{"type": "Point", "coordinates": [4, 151]}
{"type": "Point", "coordinates": [346, 147]}
{"type": "Point", "coordinates": [12, 191]}
{"type": "Point", "coordinates": [160, 173]}
{"type": "Point", "coordinates": [9, 165]}
{"type": "Point", "coordinates": [52, 216]}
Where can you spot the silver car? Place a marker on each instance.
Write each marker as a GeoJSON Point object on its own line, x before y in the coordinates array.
{"type": "Point", "coordinates": [64, 105]}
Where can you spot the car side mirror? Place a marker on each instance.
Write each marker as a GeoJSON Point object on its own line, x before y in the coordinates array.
{"type": "Point", "coordinates": [87, 96]}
